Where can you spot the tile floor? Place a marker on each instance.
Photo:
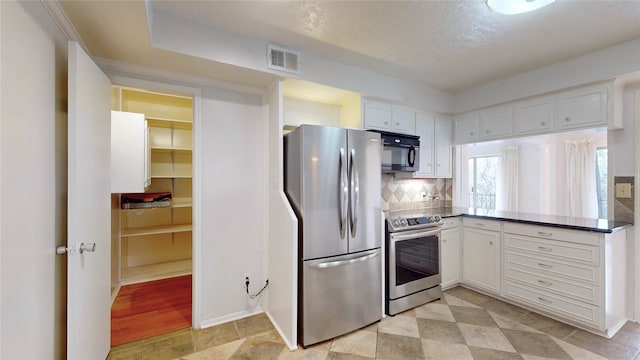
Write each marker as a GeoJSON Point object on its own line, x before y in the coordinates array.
{"type": "Point", "coordinates": [464, 324]}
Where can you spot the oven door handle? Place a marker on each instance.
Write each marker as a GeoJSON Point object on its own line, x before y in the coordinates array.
{"type": "Point", "coordinates": [412, 235]}
{"type": "Point", "coordinates": [330, 264]}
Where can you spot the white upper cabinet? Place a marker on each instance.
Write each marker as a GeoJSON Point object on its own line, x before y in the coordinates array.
{"type": "Point", "coordinates": [129, 152]}
{"type": "Point", "coordinates": [425, 128]}
{"type": "Point", "coordinates": [495, 123]}
{"type": "Point", "coordinates": [584, 107]}
{"type": "Point", "coordinates": [466, 128]}
{"type": "Point", "coordinates": [443, 146]}
{"type": "Point", "coordinates": [376, 115]}
{"type": "Point", "coordinates": [403, 120]}
{"type": "Point", "coordinates": [534, 116]}
{"type": "Point", "coordinates": [435, 145]}
{"type": "Point", "coordinates": [387, 117]}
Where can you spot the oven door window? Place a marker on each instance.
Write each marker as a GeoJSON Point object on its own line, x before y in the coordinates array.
{"type": "Point", "coordinates": [416, 259]}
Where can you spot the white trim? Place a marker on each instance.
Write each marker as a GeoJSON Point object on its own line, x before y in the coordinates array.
{"type": "Point", "coordinates": [121, 68]}
{"type": "Point", "coordinates": [636, 216]}
{"type": "Point", "coordinates": [196, 216]}
{"type": "Point", "coordinates": [65, 25]}
{"type": "Point", "coordinates": [291, 347]}
{"type": "Point", "coordinates": [229, 317]}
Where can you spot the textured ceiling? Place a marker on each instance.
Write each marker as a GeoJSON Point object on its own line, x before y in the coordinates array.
{"type": "Point", "coordinates": [449, 45]}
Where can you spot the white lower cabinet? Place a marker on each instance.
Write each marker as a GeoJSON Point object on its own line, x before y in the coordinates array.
{"type": "Point", "coordinates": [450, 252]}
{"type": "Point", "coordinates": [568, 274]}
{"type": "Point", "coordinates": [481, 263]}
{"type": "Point", "coordinates": [578, 277]}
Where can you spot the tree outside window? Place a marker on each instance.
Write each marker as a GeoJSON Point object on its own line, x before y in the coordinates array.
{"type": "Point", "coordinates": [483, 173]}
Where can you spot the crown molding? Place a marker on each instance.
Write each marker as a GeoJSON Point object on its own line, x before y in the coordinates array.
{"type": "Point", "coordinates": [62, 20]}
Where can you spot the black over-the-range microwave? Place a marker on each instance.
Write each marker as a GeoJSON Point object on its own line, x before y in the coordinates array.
{"type": "Point", "coordinates": [400, 152]}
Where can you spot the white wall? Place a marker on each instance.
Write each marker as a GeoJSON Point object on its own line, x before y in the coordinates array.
{"type": "Point", "coordinates": [233, 197]}
{"type": "Point", "coordinates": [298, 111]}
{"type": "Point", "coordinates": [599, 65]}
{"type": "Point", "coordinates": [283, 231]}
{"type": "Point", "coordinates": [168, 32]}
{"type": "Point", "coordinates": [33, 183]}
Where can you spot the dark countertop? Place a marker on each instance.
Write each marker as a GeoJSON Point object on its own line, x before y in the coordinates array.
{"type": "Point", "coordinates": [565, 222]}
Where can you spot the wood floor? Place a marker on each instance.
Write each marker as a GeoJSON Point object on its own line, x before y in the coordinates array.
{"type": "Point", "coordinates": [151, 308]}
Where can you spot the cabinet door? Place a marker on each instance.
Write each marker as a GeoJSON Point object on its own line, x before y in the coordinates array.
{"type": "Point", "coordinates": [403, 120]}
{"type": "Point", "coordinates": [496, 123]}
{"type": "Point", "coordinates": [425, 129]}
{"type": "Point", "coordinates": [129, 152]}
{"type": "Point", "coordinates": [377, 116]}
{"type": "Point", "coordinates": [442, 146]}
{"type": "Point", "coordinates": [450, 257]}
{"type": "Point", "coordinates": [481, 259]}
{"type": "Point", "coordinates": [583, 107]}
{"type": "Point", "coordinates": [465, 128]}
{"type": "Point", "coordinates": [534, 116]}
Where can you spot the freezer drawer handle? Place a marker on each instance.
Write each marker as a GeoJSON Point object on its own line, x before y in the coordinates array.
{"type": "Point", "coordinates": [331, 264]}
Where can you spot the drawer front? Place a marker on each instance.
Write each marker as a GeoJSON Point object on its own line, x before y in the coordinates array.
{"type": "Point", "coordinates": [585, 254]}
{"type": "Point", "coordinates": [552, 233]}
{"type": "Point", "coordinates": [481, 224]}
{"type": "Point", "coordinates": [451, 222]}
{"type": "Point", "coordinates": [568, 308]}
{"type": "Point", "coordinates": [550, 267]}
{"type": "Point", "coordinates": [582, 292]}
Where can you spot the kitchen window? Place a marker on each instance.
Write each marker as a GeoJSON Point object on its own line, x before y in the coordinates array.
{"type": "Point", "coordinates": [483, 173]}
{"type": "Point", "coordinates": [602, 181]}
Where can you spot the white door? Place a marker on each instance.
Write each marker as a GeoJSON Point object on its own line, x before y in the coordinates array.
{"type": "Point", "coordinates": [89, 215]}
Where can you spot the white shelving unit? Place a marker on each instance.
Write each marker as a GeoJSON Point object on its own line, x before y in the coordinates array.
{"type": "Point", "coordinates": [155, 243]}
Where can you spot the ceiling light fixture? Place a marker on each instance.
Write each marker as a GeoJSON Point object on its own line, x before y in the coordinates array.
{"type": "Point", "coordinates": [511, 7]}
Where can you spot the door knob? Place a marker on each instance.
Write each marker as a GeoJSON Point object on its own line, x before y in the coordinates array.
{"type": "Point", "coordinates": [91, 247]}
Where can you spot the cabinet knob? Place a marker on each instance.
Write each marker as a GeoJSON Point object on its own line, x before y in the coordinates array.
{"type": "Point", "coordinates": [439, 165]}
{"type": "Point", "coordinates": [386, 123]}
{"type": "Point", "coordinates": [543, 123]}
{"type": "Point", "coordinates": [487, 131]}
{"type": "Point", "coordinates": [490, 242]}
{"type": "Point", "coordinates": [397, 124]}
{"type": "Point", "coordinates": [471, 133]}
{"type": "Point", "coordinates": [567, 119]}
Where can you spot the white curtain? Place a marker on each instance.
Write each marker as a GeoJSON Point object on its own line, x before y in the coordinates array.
{"type": "Point", "coordinates": [507, 184]}
{"type": "Point", "coordinates": [581, 178]}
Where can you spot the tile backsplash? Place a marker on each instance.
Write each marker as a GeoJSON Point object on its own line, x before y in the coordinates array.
{"type": "Point", "coordinates": [400, 192]}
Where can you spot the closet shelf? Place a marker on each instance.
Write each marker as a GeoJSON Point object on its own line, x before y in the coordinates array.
{"type": "Point", "coordinates": [169, 176]}
{"type": "Point", "coordinates": [136, 274]}
{"type": "Point", "coordinates": [154, 230]}
{"type": "Point", "coordinates": [182, 202]}
{"type": "Point", "coordinates": [170, 149]}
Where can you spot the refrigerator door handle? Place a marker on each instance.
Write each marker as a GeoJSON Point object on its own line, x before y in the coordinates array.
{"type": "Point", "coordinates": [343, 193]}
{"type": "Point", "coordinates": [355, 193]}
{"type": "Point", "coordinates": [330, 264]}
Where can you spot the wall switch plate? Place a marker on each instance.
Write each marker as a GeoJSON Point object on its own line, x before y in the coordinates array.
{"type": "Point", "coordinates": [623, 191]}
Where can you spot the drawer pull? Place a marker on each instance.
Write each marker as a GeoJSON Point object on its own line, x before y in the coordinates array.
{"type": "Point", "coordinates": [481, 224]}
{"type": "Point", "coordinates": [545, 234]}
{"type": "Point", "coordinates": [545, 283]}
{"type": "Point", "coordinates": [545, 266]}
{"type": "Point", "coordinates": [546, 301]}
{"type": "Point", "coordinates": [542, 248]}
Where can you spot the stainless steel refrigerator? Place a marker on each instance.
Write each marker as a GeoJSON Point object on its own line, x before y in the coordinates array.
{"type": "Point", "coordinates": [332, 179]}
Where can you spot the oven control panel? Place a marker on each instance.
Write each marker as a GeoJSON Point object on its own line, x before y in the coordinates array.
{"type": "Point", "coordinates": [409, 223]}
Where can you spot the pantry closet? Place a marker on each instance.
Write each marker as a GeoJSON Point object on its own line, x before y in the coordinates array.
{"type": "Point", "coordinates": [151, 191]}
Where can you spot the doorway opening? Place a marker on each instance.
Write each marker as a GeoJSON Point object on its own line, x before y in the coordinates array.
{"type": "Point", "coordinates": [151, 232]}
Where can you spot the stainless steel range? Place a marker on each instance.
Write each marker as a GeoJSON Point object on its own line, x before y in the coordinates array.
{"type": "Point", "coordinates": [413, 262]}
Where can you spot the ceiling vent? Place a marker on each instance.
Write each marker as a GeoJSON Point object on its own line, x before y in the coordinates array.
{"type": "Point", "coordinates": [282, 59]}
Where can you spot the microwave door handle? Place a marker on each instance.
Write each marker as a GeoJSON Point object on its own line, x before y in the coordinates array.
{"type": "Point", "coordinates": [343, 188]}
{"type": "Point", "coordinates": [411, 156]}
{"type": "Point", "coordinates": [355, 193]}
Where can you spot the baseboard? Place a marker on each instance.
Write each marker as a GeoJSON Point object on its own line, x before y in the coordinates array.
{"type": "Point", "coordinates": [114, 294]}
{"type": "Point", "coordinates": [284, 338]}
{"type": "Point", "coordinates": [206, 323]}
